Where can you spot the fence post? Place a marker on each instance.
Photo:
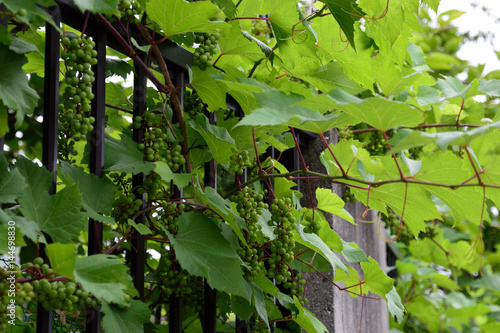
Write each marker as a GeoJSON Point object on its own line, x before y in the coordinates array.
{"type": "Point", "coordinates": [137, 248]}
{"type": "Point", "coordinates": [93, 316]}
{"type": "Point", "coordinates": [50, 130]}
{"type": "Point", "coordinates": [210, 299]}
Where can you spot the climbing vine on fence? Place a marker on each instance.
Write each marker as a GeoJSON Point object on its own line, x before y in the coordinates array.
{"type": "Point", "coordinates": [417, 145]}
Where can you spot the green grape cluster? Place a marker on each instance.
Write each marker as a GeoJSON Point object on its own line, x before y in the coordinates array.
{"type": "Point", "coordinates": [373, 141]}
{"type": "Point", "coordinates": [170, 216]}
{"type": "Point", "coordinates": [125, 207]}
{"type": "Point", "coordinates": [156, 145]}
{"type": "Point", "coordinates": [260, 28]}
{"type": "Point", "coordinates": [249, 205]}
{"type": "Point", "coordinates": [75, 120]}
{"type": "Point", "coordinates": [36, 282]}
{"type": "Point", "coordinates": [206, 49]}
{"type": "Point", "coordinates": [348, 195]}
{"type": "Point", "coordinates": [153, 186]}
{"type": "Point", "coordinates": [129, 10]}
{"type": "Point", "coordinates": [171, 279]}
{"type": "Point", "coordinates": [392, 223]}
{"type": "Point", "coordinates": [239, 161]}
{"type": "Point", "coordinates": [4, 294]}
{"type": "Point", "coordinates": [312, 226]}
{"type": "Point", "coordinates": [282, 246]}
{"type": "Point", "coordinates": [193, 103]}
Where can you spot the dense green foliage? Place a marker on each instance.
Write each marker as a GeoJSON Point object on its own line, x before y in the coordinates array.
{"type": "Point", "coordinates": [418, 145]}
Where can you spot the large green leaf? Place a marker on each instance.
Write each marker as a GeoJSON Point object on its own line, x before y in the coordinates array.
{"type": "Point", "coordinates": [331, 203]}
{"type": "Point", "coordinates": [383, 114]}
{"type": "Point", "coordinates": [307, 320]}
{"type": "Point", "coordinates": [98, 6]}
{"type": "Point", "coordinates": [98, 194]}
{"type": "Point", "coordinates": [12, 184]}
{"type": "Point", "coordinates": [129, 320]}
{"type": "Point", "coordinates": [208, 89]}
{"type": "Point", "coordinates": [180, 179]}
{"type": "Point", "coordinates": [34, 11]}
{"type": "Point", "coordinates": [314, 242]}
{"type": "Point", "coordinates": [124, 155]}
{"type": "Point", "coordinates": [345, 12]}
{"type": "Point", "coordinates": [29, 228]}
{"type": "Point", "coordinates": [394, 304]}
{"type": "Point", "coordinates": [178, 16]}
{"type": "Point", "coordinates": [58, 215]}
{"type": "Point", "coordinates": [217, 138]}
{"type": "Point", "coordinates": [62, 258]}
{"type": "Point", "coordinates": [234, 43]}
{"type": "Point", "coordinates": [105, 276]}
{"type": "Point", "coordinates": [15, 93]}
{"type": "Point", "coordinates": [203, 251]}
{"type": "Point", "coordinates": [376, 281]}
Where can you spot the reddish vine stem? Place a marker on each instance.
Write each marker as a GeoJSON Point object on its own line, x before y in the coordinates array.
{"type": "Point", "coordinates": [305, 168]}
{"type": "Point", "coordinates": [333, 155]}
{"type": "Point", "coordinates": [362, 307]}
{"type": "Point", "coordinates": [474, 166]}
{"type": "Point", "coordinates": [460, 113]}
{"type": "Point", "coordinates": [403, 178]}
{"type": "Point", "coordinates": [336, 285]}
{"type": "Point", "coordinates": [130, 52]}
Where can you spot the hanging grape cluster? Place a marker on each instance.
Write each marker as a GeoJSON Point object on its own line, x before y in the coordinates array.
{"type": "Point", "coordinates": [156, 144]}
{"type": "Point", "coordinates": [261, 29]}
{"type": "Point", "coordinates": [249, 205]}
{"type": "Point", "coordinates": [282, 246]}
{"type": "Point", "coordinates": [36, 282]}
{"type": "Point", "coordinates": [239, 161]}
{"type": "Point", "coordinates": [193, 104]}
{"type": "Point", "coordinates": [129, 11]}
{"type": "Point", "coordinates": [373, 141]}
{"type": "Point", "coordinates": [393, 224]}
{"type": "Point", "coordinates": [75, 120]}
{"type": "Point", "coordinates": [126, 205]}
{"type": "Point", "coordinates": [207, 48]}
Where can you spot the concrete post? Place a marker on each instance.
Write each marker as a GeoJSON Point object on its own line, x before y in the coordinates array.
{"type": "Point", "coordinates": [336, 309]}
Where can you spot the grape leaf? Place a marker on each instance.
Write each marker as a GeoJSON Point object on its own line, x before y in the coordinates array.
{"type": "Point", "coordinates": [352, 252]}
{"type": "Point", "coordinates": [307, 320]}
{"type": "Point", "coordinates": [394, 304]}
{"type": "Point", "coordinates": [15, 93]}
{"type": "Point", "coordinates": [62, 258]}
{"type": "Point", "coordinates": [314, 242]}
{"type": "Point", "coordinates": [227, 6]}
{"type": "Point", "coordinates": [178, 16]}
{"type": "Point", "coordinates": [58, 215]}
{"type": "Point", "coordinates": [34, 11]}
{"type": "Point", "coordinates": [235, 43]}
{"type": "Point", "coordinates": [98, 194]}
{"type": "Point", "coordinates": [129, 320]}
{"type": "Point", "coordinates": [346, 13]}
{"type": "Point", "coordinates": [208, 89]}
{"type": "Point", "coordinates": [332, 203]}
{"type": "Point", "coordinates": [28, 228]}
{"type": "Point", "coordinates": [98, 6]}
{"type": "Point", "coordinates": [383, 114]}
{"type": "Point", "coordinates": [218, 138]}
{"type": "Point", "coordinates": [376, 281]}
{"type": "Point", "coordinates": [105, 276]}
{"type": "Point", "coordinates": [180, 179]}
{"type": "Point", "coordinates": [12, 184]}
{"type": "Point", "coordinates": [203, 251]}
{"type": "Point", "coordinates": [124, 155]}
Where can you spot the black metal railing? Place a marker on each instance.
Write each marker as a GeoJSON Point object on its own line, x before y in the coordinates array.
{"type": "Point", "coordinates": [176, 59]}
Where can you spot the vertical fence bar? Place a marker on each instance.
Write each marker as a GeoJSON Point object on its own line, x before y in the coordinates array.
{"type": "Point", "coordinates": [175, 302]}
{"type": "Point", "coordinates": [138, 255]}
{"type": "Point", "coordinates": [93, 316]}
{"type": "Point", "coordinates": [210, 299]}
{"type": "Point", "coordinates": [50, 130]}
{"type": "Point", "coordinates": [4, 21]}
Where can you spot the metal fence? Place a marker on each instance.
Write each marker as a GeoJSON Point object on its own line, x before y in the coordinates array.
{"type": "Point", "coordinates": [176, 59]}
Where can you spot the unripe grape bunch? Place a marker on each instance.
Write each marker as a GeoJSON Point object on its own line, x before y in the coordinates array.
{"type": "Point", "coordinates": [207, 48]}
{"type": "Point", "coordinates": [75, 120]}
